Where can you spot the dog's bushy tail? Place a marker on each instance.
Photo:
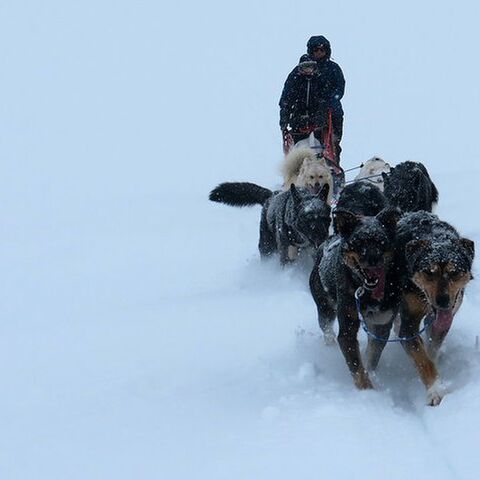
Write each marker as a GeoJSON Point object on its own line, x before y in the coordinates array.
{"type": "Point", "coordinates": [240, 194]}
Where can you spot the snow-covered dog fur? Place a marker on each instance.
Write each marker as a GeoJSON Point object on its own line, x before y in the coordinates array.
{"type": "Point", "coordinates": [291, 220]}
{"type": "Point", "coordinates": [434, 263]}
{"type": "Point", "coordinates": [409, 187]}
{"type": "Point", "coordinates": [302, 168]}
{"type": "Point", "coordinates": [360, 256]}
{"type": "Point", "coordinates": [372, 170]}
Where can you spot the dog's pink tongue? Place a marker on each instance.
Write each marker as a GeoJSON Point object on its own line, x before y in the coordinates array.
{"type": "Point", "coordinates": [379, 291]}
{"type": "Point", "coordinates": [443, 320]}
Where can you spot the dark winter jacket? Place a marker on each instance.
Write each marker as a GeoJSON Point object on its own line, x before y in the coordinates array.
{"type": "Point", "coordinates": [306, 99]}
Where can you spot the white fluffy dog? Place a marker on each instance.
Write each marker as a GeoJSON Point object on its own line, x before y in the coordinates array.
{"type": "Point", "coordinates": [372, 171]}
{"type": "Point", "coordinates": [302, 167]}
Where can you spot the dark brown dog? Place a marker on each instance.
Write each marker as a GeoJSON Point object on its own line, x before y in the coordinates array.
{"type": "Point", "coordinates": [435, 266]}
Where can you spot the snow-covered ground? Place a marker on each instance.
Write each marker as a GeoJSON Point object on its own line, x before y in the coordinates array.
{"type": "Point", "coordinates": [141, 338]}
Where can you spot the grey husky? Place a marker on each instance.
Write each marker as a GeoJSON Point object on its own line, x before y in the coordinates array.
{"type": "Point", "coordinates": [289, 220]}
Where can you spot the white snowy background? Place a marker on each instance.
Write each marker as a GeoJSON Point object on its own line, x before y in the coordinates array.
{"type": "Point", "coordinates": [140, 337]}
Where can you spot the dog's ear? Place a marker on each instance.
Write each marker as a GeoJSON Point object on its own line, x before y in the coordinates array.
{"type": "Point", "coordinates": [469, 246]}
{"type": "Point", "coordinates": [345, 222]}
{"type": "Point", "coordinates": [389, 217]}
{"type": "Point", "coordinates": [321, 160]}
{"type": "Point", "coordinates": [323, 193]}
{"type": "Point", "coordinates": [415, 247]}
{"type": "Point", "coordinates": [297, 199]}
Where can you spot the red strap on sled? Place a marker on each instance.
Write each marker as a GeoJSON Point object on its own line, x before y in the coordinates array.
{"type": "Point", "coordinates": [329, 150]}
{"type": "Point", "coordinates": [329, 145]}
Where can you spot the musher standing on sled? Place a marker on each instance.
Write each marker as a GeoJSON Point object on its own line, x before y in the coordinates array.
{"type": "Point", "coordinates": [311, 97]}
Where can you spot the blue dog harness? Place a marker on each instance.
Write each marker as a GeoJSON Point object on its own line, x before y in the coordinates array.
{"type": "Point", "coordinates": [358, 293]}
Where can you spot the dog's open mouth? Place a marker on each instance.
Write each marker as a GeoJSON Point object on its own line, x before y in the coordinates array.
{"type": "Point", "coordinates": [315, 189]}
{"type": "Point", "coordinates": [444, 317]}
{"type": "Point", "coordinates": [374, 280]}
{"type": "Point", "coordinates": [443, 320]}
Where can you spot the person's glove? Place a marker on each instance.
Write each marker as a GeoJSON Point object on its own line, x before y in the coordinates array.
{"type": "Point", "coordinates": [307, 67]}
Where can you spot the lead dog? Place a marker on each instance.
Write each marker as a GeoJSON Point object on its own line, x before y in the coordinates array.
{"type": "Point", "coordinates": [361, 257]}
{"type": "Point", "coordinates": [435, 266]}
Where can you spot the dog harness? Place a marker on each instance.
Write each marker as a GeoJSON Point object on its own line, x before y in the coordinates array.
{"type": "Point", "coordinates": [358, 293]}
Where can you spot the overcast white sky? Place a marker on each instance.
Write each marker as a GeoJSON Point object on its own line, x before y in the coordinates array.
{"type": "Point", "coordinates": [100, 86]}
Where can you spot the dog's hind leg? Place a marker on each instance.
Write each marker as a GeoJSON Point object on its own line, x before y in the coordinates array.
{"type": "Point", "coordinates": [375, 347]}
{"type": "Point", "coordinates": [266, 243]}
{"type": "Point", "coordinates": [325, 307]}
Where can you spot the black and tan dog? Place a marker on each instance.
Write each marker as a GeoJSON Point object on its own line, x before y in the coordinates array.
{"type": "Point", "coordinates": [289, 220]}
{"type": "Point", "coordinates": [360, 256]}
{"type": "Point", "coordinates": [362, 198]}
{"type": "Point", "coordinates": [435, 266]}
{"type": "Point", "coordinates": [409, 187]}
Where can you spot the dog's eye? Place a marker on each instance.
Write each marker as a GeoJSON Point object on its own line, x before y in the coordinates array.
{"type": "Point", "coordinates": [311, 176]}
{"type": "Point", "coordinates": [455, 275]}
{"type": "Point", "coordinates": [429, 273]}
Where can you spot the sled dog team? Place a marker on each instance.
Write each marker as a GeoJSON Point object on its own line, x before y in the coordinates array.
{"type": "Point", "coordinates": [389, 260]}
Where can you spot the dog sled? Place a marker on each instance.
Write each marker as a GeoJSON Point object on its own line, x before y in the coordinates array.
{"type": "Point", "coordinates": [324, 149]}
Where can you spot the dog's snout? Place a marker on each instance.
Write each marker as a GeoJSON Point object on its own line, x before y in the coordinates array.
{"type": "Point", "coordinates": [373, 259]}
{"type": "Point", "coordinates": [442, 300]}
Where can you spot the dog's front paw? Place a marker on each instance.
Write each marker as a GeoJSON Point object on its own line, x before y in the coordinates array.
{"type": "Point", "coordinates": [435, 394]}
{"type": "Point", "coordinates": [329, 337]}
{"type": "Point", "coordinates": [362, 381]}
{"type": "Point", "coordinates": [292, 253]}
{"type": "Point", "coordinates": [433, 399]}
